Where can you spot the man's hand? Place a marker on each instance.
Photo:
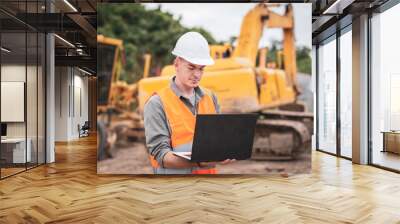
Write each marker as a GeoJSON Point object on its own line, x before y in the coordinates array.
{"type": "Point", "coordinates": [171, 160]}
{"type": "Point", "coordinates": [227, 161]}
{"type": "Point", "coordinates": [207, 164]}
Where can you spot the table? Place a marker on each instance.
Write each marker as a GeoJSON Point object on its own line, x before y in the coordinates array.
{"type": "Point", "coordinates": [391, 141]}
{"type": "Point", "coordinates": [13, 150]}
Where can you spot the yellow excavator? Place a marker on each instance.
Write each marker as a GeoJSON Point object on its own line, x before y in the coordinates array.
{"type": "Point", "coordinates": [115, 118]}
{"type": "Point", "coordinates": [284, 128]}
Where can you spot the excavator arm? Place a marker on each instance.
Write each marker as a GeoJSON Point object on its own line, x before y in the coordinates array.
{"type": "Point", "coordinates": [251, 33]}
{"type": "Point", "coordinates": [289, 49]}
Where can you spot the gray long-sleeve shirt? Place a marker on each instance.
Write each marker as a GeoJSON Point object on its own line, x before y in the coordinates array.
{"type": "Point", "coordinates": [157, 128]}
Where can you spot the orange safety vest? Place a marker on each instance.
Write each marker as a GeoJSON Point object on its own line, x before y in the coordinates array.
{"type": "Point", "coordinates": [182, 122]}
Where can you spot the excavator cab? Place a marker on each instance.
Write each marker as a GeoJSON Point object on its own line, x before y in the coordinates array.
{"type": "Point", "coordinates": [221, 51]}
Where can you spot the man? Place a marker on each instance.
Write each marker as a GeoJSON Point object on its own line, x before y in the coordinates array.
{"type": "Point", "coordinates": [170, 114]}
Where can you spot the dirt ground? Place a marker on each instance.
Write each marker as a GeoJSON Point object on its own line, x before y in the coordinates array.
{"type": "Point", "coordinates": [127, 160]}
{"type": "Point", "coordinates": [134, 160]}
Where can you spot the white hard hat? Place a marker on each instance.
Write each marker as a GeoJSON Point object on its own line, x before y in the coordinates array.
{"type": "Point", "coordinates": [193, 47]}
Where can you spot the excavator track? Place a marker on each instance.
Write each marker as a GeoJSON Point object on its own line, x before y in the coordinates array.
{"type": "Point", "coordinates": [282, 135]}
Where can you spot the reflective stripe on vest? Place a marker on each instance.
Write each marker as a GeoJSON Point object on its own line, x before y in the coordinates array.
{"type": "Point", "coordinates": [182, 123]}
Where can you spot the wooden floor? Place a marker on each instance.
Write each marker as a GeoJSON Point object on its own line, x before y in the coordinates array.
{"type": "Point", "coordinates": [70, 191]}
{"type": "Point", "coordinates": [10, 171]}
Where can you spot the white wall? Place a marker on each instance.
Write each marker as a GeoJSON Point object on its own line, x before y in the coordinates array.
{"type": "Point", "coordinates": [33, 127]}
{"type": "Point", "coordinates": [12, 73]}
{"type": "Point", "coordinates": [61, 103]}
{"type": "Point", "coordinates": [71, 94]}
{"type": "Point", "coordinates": [80, 101]}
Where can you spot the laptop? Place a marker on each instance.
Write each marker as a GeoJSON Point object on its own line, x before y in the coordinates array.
{"type": "Point", "coordinates": [222, 136]}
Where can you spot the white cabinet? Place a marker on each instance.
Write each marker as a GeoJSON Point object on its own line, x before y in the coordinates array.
{"type": "Point", "coordinates": [18, 149]}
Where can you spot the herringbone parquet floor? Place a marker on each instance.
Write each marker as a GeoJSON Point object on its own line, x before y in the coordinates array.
{"type": "Point", "coordinates": [70, 191]}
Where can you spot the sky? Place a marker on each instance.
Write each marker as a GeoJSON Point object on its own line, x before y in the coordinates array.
{"type": "Point", "coordinates": [223, 20]}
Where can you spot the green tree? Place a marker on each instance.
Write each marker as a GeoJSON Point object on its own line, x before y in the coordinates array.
{"type": "Point", "coordinates": [143, 31]}
{"type": "Point", "coordinates": [303, 59]}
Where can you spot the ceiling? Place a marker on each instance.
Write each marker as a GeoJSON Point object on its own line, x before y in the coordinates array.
{"type": "Point", "coordinates": [330, 15]}
{"type": "Point", "coordinates": [76, 21]}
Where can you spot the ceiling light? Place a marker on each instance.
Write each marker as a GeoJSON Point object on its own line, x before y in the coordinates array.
{"type": "Point", "coordinates": [329, 9]}
{"type": "Point", "coordinates": [65, 41]}
{"type": "Point", "coordinates": [338, 6]}
{"type": "Point", "coordinates": [5, 50]}
{"type": "Point", "coordinates": [86, 72]}
{"type": "Point", "coordinates": [71, 6]}
{"type": "Point", "coordinates": [80, 51]}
